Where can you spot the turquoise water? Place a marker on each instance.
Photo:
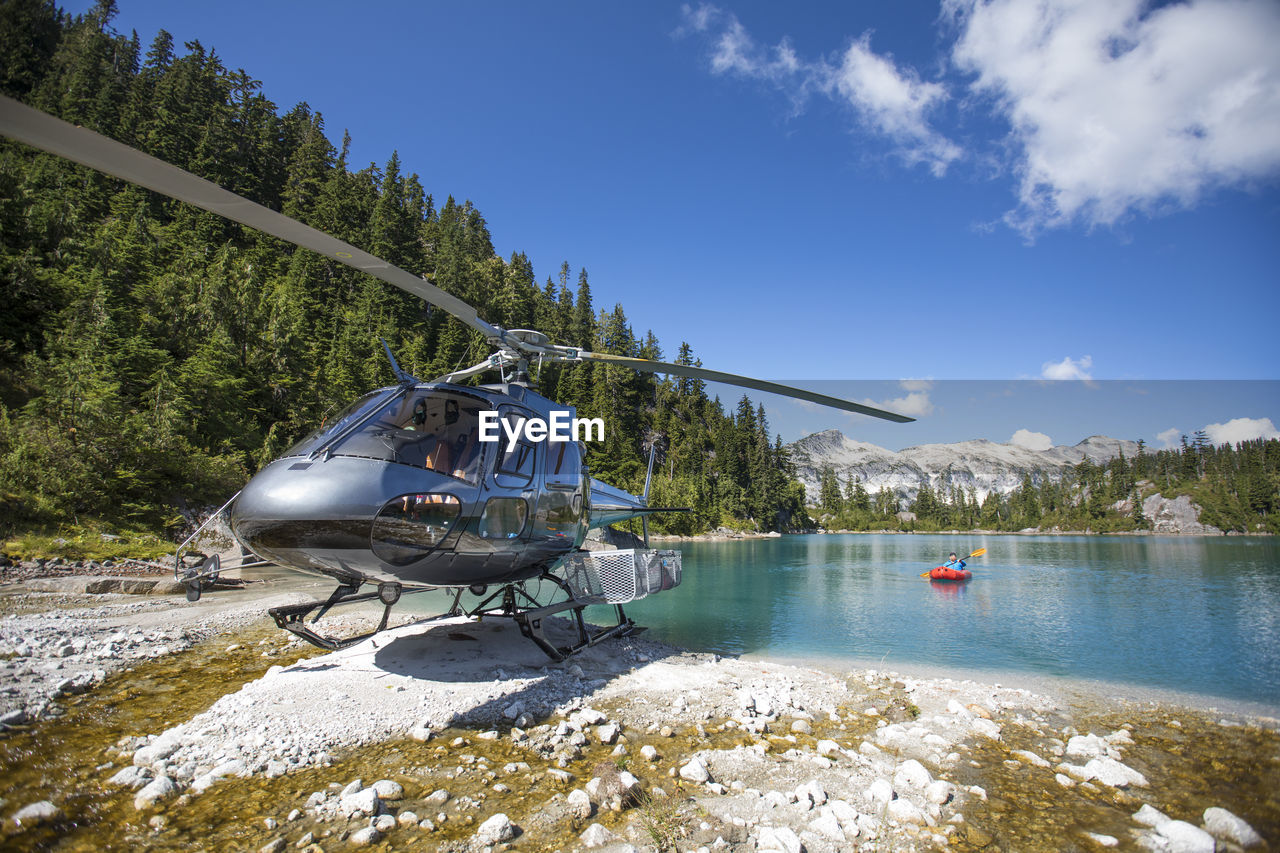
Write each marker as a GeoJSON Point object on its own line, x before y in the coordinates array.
{"type": "Point", "coordinates": [1190, 614]}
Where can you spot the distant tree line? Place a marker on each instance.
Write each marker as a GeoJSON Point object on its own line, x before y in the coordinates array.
{"type": "Point", "coordinates": [1237, 487]}
{"type": "Point", "coordinates": [153, 356]}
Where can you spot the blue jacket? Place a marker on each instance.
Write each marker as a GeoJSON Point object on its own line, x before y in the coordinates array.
{"type": "Point", "coordinates": [956, 564]}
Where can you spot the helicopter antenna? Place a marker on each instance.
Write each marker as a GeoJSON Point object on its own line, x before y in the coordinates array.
{"type": "Point", "coordinates": [405, 378]}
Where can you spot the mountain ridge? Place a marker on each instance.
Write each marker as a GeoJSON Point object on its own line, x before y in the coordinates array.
{"type": "Point", "coordinates": [976, 464]}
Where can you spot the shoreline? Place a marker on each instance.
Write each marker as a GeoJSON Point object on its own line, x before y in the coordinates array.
{"type": "Point", "coordinates": [760, 753]}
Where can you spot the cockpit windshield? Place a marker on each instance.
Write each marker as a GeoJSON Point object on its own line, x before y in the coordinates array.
{"type": "Point", "coordinates": [423, 427]}
{"type": "Point", "coordinates": [334, 425]}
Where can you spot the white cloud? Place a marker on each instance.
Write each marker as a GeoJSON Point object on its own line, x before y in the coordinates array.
{"type": "Point", "coordinates": [1241, 429]}
{"type": "Point", "coordinates": [891, 101]}
{"type": "Point", "coordinates": [1116, 106]}
{"type": "Point", "coordinates": [915, 384]}
{"type": "Point", "coordinates": [1169, 437]}
{"type": "Point", "coordinates": [1068, 368]}
{"type": "Point", "coordinates": [915, 404]}
{"type": "Point", "coordinates": [1031, 440]}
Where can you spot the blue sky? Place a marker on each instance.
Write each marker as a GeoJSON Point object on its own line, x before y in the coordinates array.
{"type": "Point", "coordinates": [954, 190]}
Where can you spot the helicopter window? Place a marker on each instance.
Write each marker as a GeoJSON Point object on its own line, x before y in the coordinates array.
{"type": "Point", "coordinates": [563, 465]}
{"type": "Point", "coordinates": [336, 423]}
{"type": "Point", "coordinates": [503, 518]}
{"type": "Point", "coordinates": [410, 526]}
{"type": "Point", "coordinates": [425, 428]}
{"type": "Point", "coordinates": [515, 464]}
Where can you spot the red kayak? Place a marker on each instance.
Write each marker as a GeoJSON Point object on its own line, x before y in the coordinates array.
{"type": "Point", "coordinates": [941, 574]}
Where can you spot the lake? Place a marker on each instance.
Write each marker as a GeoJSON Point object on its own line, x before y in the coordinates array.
{"type": "Point", "coordinates": [1188, 614]}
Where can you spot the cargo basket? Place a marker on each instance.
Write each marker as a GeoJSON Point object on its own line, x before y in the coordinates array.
{"type": "Point", "coordinates": [617, 577]}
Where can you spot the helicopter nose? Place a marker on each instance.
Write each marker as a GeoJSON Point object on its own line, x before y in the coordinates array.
{"type": "Point", "coordinates": [296, 507]}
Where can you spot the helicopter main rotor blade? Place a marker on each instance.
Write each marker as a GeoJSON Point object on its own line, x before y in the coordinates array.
{"type": "Point", "coordinates": [647, 366]}
{"type": "Point", "coordinates": [41, 130]}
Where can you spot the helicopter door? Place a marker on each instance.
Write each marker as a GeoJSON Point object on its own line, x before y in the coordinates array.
{"type": "Point", "coordinates": [560, 508]}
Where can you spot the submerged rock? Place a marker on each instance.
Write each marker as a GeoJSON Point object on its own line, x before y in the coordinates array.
{"type": "Point", "coordinates": [1225, 826]}
{"type": "Point", "coordinates": [37, 813]}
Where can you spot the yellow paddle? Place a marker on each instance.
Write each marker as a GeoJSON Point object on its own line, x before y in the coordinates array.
{"type": "Point", "coordinates": [977, 553]}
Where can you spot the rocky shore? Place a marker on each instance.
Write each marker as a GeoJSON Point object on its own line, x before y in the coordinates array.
{"type": "Point", "coordinates": [459, 735]}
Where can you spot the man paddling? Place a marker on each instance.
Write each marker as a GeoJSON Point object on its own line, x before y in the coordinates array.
{"type": "Point", "coordinates": [953, 563]}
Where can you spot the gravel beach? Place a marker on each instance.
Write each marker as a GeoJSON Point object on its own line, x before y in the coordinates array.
{"type": "Point", "coordinates": [460, 735]}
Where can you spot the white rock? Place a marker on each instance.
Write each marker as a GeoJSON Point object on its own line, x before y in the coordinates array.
{"type": "Point", "coordinates": [155, 791]}
{"type": "Point", "coordinates": [1181, 837]}
{"type": "Point", "coordinates": [695, 771]}
{"type": "Point", "coordinates": [1030, 758]}
{"type": "Point", "coordinates": [1108, 771]}
{"type": "Point", "coordinates": [496, 830]}
{"type": "Point", "coordinates": [407, 818]}
{"type": "Point", "coordinates": [778, 839]}
{"type": "Point", "coordinates": [1090, 746]}
{"type": "Point", "coordinates": [354, 786]}
{"type": "Point", "coordinates": [364, 802]}
{"type": "Point", "coordinates": [1149, 816]}
{"type": "Point", "coordinates": [132, 776]}
{"type": "Point", "coordinates": [37, 813]}
{"type": "Point", "coordinates": [938, 791]}
{"type": "Point", "coordinates": [596, 836]}
{"type": "Point", "coordinates": [911, 774]}
{"type": "Point", "coordinates": [420, 733]}
{"type": "Point", "coordinates": [761, 704]}
{"type": "Point", "coordinates": [828, 748]}
{"type": "Point", "coordinates": [813, 791]}
{"type": "Point", "coordinates": [588, 717]}
{"type": "Point", "coordinates": [880, 791]}
{"type": "Point", "coordinates": [846, 814]}
{"type": "Point", "coordinates": [1223, 825]}
{"type": "Point", "coordinates": [649, 752]}
{"type": "Point", "coordinates": [580, 804]}
{"type": "Point", "coordinates": [904, 811]}
{"type": "Point", "coordinates": [1102, 840]}
{"type": "Point", "coordinates": [1064, 780]}
{"type": "Point", "coordinates": [608, 733]}
{"type": "Point", "coordinates": [384, 823]}
{"type": "Point", "coordinates": [364, 837]}
{"type": "Point", "coordinates": [437, 797]}
{"type": "Point", "coordinates": [388, 789]}
{"type": "Point", "coordinates": [826, 825]}
{"type": "Point", "coordinates": [986, 728]}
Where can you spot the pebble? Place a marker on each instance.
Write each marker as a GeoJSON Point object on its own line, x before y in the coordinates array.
{"type": "Point", "coordinates": [580, 804]}
{"type": "Point", "coordinates": [596, 835]}
{"type": "Point", "coordinates": [275, 845]}
{"type": "Point", "coordinates": [437, 797]}
{"type": "Point", "coordinates": [37, 813]}
{"type": "Point", "coordinates": [364, 837]}
{"type": "Point", "coordinates": [388, 789]}
{"type": "Point", "coordinates": [695, 771]}
{"type": "Point", "coordinates": [496, 830]}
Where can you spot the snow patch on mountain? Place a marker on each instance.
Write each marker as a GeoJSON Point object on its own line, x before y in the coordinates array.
{"type": "Point", "coordinates": [981, 465]}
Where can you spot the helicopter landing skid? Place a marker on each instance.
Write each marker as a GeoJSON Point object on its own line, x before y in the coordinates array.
{"type": "Point", "coordinates": [529, 615]}
{"type": "Point", "coordinates": [293, 617]}
{"type": "Point", "coordinates": [511, 601]}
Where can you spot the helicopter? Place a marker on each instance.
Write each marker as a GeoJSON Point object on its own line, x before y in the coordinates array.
{"type": "Point", "coordinates": [407, 489]}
